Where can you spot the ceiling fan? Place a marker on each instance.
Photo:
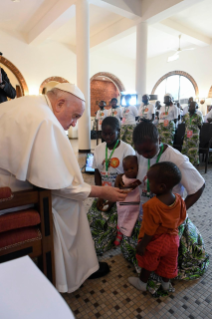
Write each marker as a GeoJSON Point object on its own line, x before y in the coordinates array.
{"type": "Point", "coordinates": [175, 56]}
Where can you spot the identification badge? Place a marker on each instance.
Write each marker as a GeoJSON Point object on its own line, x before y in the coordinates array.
{"type": "Point", "coordinates": [166, 123]}
{"type": "Point", "coordinates": [189, 134]}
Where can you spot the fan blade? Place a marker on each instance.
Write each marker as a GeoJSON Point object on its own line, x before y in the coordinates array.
{"type": "Point", "coordinates": [173, 58]}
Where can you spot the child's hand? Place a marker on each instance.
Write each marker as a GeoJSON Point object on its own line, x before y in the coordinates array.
{"type": "Point", "coordinates": [133, 185]}
{"type": "Point", "coordinates": [119, 183]}
{"type": "Point", "coordinates": [140, 249]}
{"type": "Point", "coordinates": [100, 203]}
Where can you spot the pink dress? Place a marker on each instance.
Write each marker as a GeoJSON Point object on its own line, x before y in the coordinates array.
{"type": "Point", "coordinates": [128, 210]}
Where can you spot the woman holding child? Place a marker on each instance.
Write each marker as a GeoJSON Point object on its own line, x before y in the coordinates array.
{"type": "Point", "coordinates": [108, 157]}
{"type": "Point", "coordinates": [192, 259]}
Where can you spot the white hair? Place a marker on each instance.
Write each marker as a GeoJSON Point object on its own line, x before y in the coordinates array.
{"type": "Point", "coordinates": [55, 93]}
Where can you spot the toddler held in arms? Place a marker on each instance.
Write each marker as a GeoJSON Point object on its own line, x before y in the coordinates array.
{"type": "Point", "coordinates": [158, 240]}
{"type": "Point", "coordinates": [128, 210]}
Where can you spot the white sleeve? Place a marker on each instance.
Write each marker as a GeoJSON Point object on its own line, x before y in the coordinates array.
{"type": "Point", "coordinates": [95, 159]}
{"type": "Point", "coordinates": [135, 111]}
{"type": "Point", "coordinates": [175, 112]}
{"type": "Point", "coordinates": [97, 115]}
{"type": "Point", "coordinates": [140, 110]}
{"type": "Point", "coordinates": [191, 178]}
{"type": "Point", "coordinates": [153, 109]}
{"type": "Point", "coordinates": [129, 151]}
{"type": "Point", "coordinates": [75, 192]}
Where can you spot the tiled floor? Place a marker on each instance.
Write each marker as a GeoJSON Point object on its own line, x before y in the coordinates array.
{"type": "Point", "coordinates": [112, 296]}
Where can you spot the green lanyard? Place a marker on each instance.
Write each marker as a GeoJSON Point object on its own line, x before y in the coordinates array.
{"type": "Point", "coordinates": [107, 160]}
{"type": "Point", "coordinates": [158, 158]}
{"type": "Point", "coordinates": [167, 110]}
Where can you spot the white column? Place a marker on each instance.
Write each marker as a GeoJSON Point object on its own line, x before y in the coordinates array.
{"type": "Point", "coordinates": [83, 78]}
{"type": "Point", "coordinates": [141, 58]}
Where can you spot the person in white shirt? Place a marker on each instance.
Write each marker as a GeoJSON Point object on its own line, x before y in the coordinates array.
{"type": "Point", "coordinates": [208, 117]}
{"type": "Point", "coordinates": [35, 151]}
{"type": "Point", "coordinates": [101, 114]}
{"type": "Point", "coordinates": [115, 109]}
{"type": "Point", "coordinates": [108, 158]}
{"type": "Point", "coordinates": [168, 119]}
{"type": "Point", "coordinates": [129, 118]}
{"type": "Point", "coordinates": [146, 110]}
{"type": "Point", "coordinates": [150, 151]}
{"type": "Point", "coordinates": [185, 110]}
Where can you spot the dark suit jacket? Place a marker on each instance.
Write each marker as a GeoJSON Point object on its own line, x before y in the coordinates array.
{"type": "Point", "coordinates": [8, 90]}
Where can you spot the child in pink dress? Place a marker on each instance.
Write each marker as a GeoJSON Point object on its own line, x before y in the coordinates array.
{"type": "Point", "coordinates": [128, 210]}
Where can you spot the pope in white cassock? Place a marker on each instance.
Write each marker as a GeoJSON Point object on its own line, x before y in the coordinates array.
{"type": "Point", "coordinates": [36, 151]}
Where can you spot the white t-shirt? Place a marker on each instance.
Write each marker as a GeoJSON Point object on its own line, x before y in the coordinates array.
{"type": "Point", "coordinates": [169, 113]}
{"type": "Point", "coordinates": [146, 111]}
{"type": "Point", "coordinates": [185, 110]}
{"type": "Point", "coordinates": [115, 112]}
{"type": "Point", "coordinates": [208, 116]}
{"type": "Point", "coordinates": [100, 115]}
{"type": "Point", "coordinates": [191, 181]}
{"type": "Point", "coordinates": [129, 114]}
{"type": "Point", "coordinates": [115, 167]}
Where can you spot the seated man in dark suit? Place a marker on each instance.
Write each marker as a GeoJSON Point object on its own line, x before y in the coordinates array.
{"type": "Point", "coordinates": [6, 89]}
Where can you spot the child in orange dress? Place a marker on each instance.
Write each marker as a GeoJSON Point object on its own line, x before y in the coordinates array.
{"type": "Point", "coordinates": [158, 243]}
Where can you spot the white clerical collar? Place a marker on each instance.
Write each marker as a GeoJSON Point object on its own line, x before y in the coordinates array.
{"type": "Point", "coordinates": [48, 102]}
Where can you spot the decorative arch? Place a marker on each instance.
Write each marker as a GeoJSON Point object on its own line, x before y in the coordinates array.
{"type": "Point", "coordinates": [52, 79]}
{"type": "Point", "coordinates": [210, 93]}
{"type": "Point", "coordinates": [188, 76]}
{"type": "Point", "coordinates": [111, 77]}
{"type": "Point", "coordinates": [17, 73]}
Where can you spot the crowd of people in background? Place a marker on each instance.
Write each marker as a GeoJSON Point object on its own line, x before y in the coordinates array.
{"type": "Point", "coordinates": [166, 117]}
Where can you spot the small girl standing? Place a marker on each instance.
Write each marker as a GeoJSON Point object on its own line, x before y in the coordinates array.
{"type": "Point", "coordinates": [193, 123]}
{"type": "Point", "coordinates": [108, 157]}
{"type": "Point", "coordinates": [128, 210]}
{"type": "Point", "coordinates": [129, 118]}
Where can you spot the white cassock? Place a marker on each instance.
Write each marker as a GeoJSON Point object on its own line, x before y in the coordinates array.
{"type": "Point", "coordinates": [36, 151]}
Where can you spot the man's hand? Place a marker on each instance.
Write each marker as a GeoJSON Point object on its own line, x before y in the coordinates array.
{"type": "Point", "coordinates": [140, 248]}
{"type": "Point", "coordinates": [114, 194]}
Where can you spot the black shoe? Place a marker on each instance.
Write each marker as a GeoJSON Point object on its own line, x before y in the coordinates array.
{"type": "Point", "coordinates": [102, 271]}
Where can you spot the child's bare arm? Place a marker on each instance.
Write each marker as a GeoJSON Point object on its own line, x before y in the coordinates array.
{"type": "Point", "coordinates": [141, 247]}
{"type": "Point", "coordinates": [119, 183]}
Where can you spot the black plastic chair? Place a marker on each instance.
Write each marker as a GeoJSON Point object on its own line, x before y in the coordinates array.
{"type": "Point", "coordinates": [205, 142]}
{"type": "Point", "coordinates": [179, 136]}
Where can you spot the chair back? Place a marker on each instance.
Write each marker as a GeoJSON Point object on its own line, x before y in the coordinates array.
{"type": "Point", "coordinates": [205, 135]}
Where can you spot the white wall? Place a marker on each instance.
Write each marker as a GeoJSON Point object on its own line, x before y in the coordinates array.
{"type": "Point", "coordinates": [197, 63]}
{"type": "Point", "coordinates": [36, 63]}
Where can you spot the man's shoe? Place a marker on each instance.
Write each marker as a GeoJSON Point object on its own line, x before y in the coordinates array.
{"type": "Point", "coordinates": [102, 271]}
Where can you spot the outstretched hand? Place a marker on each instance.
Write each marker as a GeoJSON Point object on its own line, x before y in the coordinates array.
{"type": "Point", "coordinates": [114, 194]}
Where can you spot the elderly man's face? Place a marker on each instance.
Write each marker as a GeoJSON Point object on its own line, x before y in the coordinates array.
{"type": "Point", "coordinates": [68, 112]}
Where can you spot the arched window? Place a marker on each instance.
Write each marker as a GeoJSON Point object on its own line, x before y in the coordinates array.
{"type": "Point", "coordinates": [181, 85]}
